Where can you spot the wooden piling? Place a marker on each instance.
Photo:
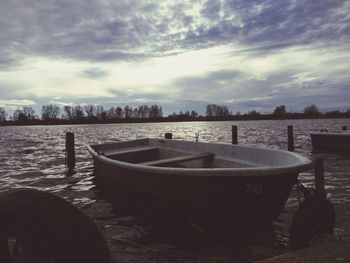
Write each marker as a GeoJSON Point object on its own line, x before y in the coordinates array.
{"type": "Point", "coordinates": [168, 135]}
{"type": "Point", "coordinates": [70, 150]}
{"type": "Point", "coordinates": [197, 136]}
{"type": "Point", "coordinates": [234, 134]}
{"type": "Point", "coordinates": [290, 138]}
{"type": "Point", "coordinates": [319, 177]}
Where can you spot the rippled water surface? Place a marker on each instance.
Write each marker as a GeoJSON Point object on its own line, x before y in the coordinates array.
{"type": "Point", "coordinates": [33, 156]}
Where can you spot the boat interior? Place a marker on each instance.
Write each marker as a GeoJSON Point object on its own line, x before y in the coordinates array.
{"type": "Point", "coordinates": [168, 157]}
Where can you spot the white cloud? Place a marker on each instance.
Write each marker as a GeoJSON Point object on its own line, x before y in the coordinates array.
{"type": "Point", "coordinates": [10, 103]}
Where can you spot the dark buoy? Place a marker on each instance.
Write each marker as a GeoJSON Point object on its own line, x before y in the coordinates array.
{"type": "Point", "coordinates": [47, 228]}
{"type": "Point", "coordinates": [316, 214]}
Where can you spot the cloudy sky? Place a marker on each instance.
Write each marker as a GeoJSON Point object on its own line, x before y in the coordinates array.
{"type": "Point", "coordinates": [182, 55]}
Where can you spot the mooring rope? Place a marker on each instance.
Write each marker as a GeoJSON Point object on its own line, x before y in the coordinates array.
{"type": "Point", "coordinates": [305, 142]}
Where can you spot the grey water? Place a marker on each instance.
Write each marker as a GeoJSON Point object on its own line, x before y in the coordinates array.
{"type": "Point", "coordinates": [33, 157]}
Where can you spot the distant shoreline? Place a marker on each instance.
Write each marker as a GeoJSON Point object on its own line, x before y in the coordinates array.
{"type": "Point", "coordinates": [292, 116]}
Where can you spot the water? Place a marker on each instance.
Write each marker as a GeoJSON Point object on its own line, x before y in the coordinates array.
{"type": "Point", "coordinates": [33, 156]}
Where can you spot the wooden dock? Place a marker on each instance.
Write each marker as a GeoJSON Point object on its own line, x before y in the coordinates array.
{"type": "Point", "coordinates": [334, 251]}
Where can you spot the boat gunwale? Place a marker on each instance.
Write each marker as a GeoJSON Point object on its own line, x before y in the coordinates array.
{"type": "Point", "coordinates": [305, 164]}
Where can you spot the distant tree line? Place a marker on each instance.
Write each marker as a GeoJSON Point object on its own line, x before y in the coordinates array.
{"type": "Point", "coordinates": [81, 113]}
{"type": "Point", "coordinates": [184, 116]}
{"type": "Point", "coordinates": [90, 113]}
{"type": "Point", "coordinates": [213, 110]}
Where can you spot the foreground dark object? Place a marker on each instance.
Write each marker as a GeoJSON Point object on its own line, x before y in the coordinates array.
{"type": "Point", "coordinates": [316, 216]}
{"type": "Point", "coordinates": [47, 229]}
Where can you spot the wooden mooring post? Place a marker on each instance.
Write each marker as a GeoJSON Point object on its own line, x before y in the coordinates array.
{"type": "Point", "coordinates": [234, 134]}
{"type": "Point", "coordinates": [70, 150]}
{"type": "Point", "coordinates": [290, 138]}
{"type": "Point", "coordinates": [319, 177]}
{"type": "Point", "coordinates": [168, 135]}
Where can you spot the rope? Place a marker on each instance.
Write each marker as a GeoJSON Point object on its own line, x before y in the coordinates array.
{"type": "Point", "coordinates": [305, 142]}
{"type": "Point", "coordinates": [302, 133]}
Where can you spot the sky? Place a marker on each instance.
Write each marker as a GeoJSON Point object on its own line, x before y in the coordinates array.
{"type": "Point", "coordinates": [181, 55]}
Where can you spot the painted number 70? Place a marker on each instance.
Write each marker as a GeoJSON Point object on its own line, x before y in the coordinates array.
{"type": "Point", "coordinates": [253, 189]}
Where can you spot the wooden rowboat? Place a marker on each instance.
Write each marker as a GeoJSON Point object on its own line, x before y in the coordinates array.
{"type": "Point", "coordinates": [215, 180]}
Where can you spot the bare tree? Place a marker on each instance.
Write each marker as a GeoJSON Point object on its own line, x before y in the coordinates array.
{"type": "Point", "coordinates": [111, 114]}
{"type": "Point", "coordinates": [135, 113]}
{"type": "Point", "coordinates": [24, 114]}
{"type": "Point", "coordinates": [280, 110]}
{"type": "Point", "coordinates": [78, 113]}
{"type": "Point", "coordinates": [100, 112]}
{"type": "Point", "coordinates": [73, 112]}
{"type": "Point", "coordinates": [253, 113]}
{"type": "Point", "coordinates": [127, 112]}
{"type": "Point", "coordinates": [3, 114]}
{"type": "Point", "coordinates": [119, 112]}
{"type": "Point", "coordinates": [29, 112]}
{"type": "Point", "coordinates": [155, 111]}
{"type": "Point", "coordinates": [312, 110]}
{"type": "Point", "coordinates": [214, 110]}
{"type": "Point", "coordinates": [50, 112]}
{"type": "Point", "coordinates": [90, 110]}
{"type": "Point", "coordinates": [194, 114]}
{"type": "Point", "coordinates": [210, 110]}
{"type": "Point", "coordinates": [68, 112]}
{"type": "Point", "coordinates": [144, 111]}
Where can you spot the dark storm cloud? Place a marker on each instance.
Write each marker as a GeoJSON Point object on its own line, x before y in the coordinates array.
{"type": "Point", "coordinates": [211, 10]}
{"type": "Point", "coordinates": [127, 30]}
{"type": "Point", "coordinates": [272, 23]}
{"type": "Point", "coordinates": [8, 61]}
{"type": "Point", "coordinates": [75, 29]}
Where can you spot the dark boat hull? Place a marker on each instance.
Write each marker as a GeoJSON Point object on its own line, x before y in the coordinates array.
{"type": "Point", "coordinates": [256, 199]}
{"type": "Point", "coordinates": [245, 183]}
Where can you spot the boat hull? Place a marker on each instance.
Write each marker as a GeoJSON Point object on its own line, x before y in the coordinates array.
{"type": "Point", "coordinates": [244, 191]}
{"type": "Point", "coordinates": [244, 198]}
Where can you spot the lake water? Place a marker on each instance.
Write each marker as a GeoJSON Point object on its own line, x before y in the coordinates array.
{"type": "Point", "coordinates": [33, 156]}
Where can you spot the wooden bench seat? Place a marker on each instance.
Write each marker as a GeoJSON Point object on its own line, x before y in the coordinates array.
{"type": "Point", "coordinates": [179, 159]}
{"type": "Point", "coordinates": [129, 150]}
